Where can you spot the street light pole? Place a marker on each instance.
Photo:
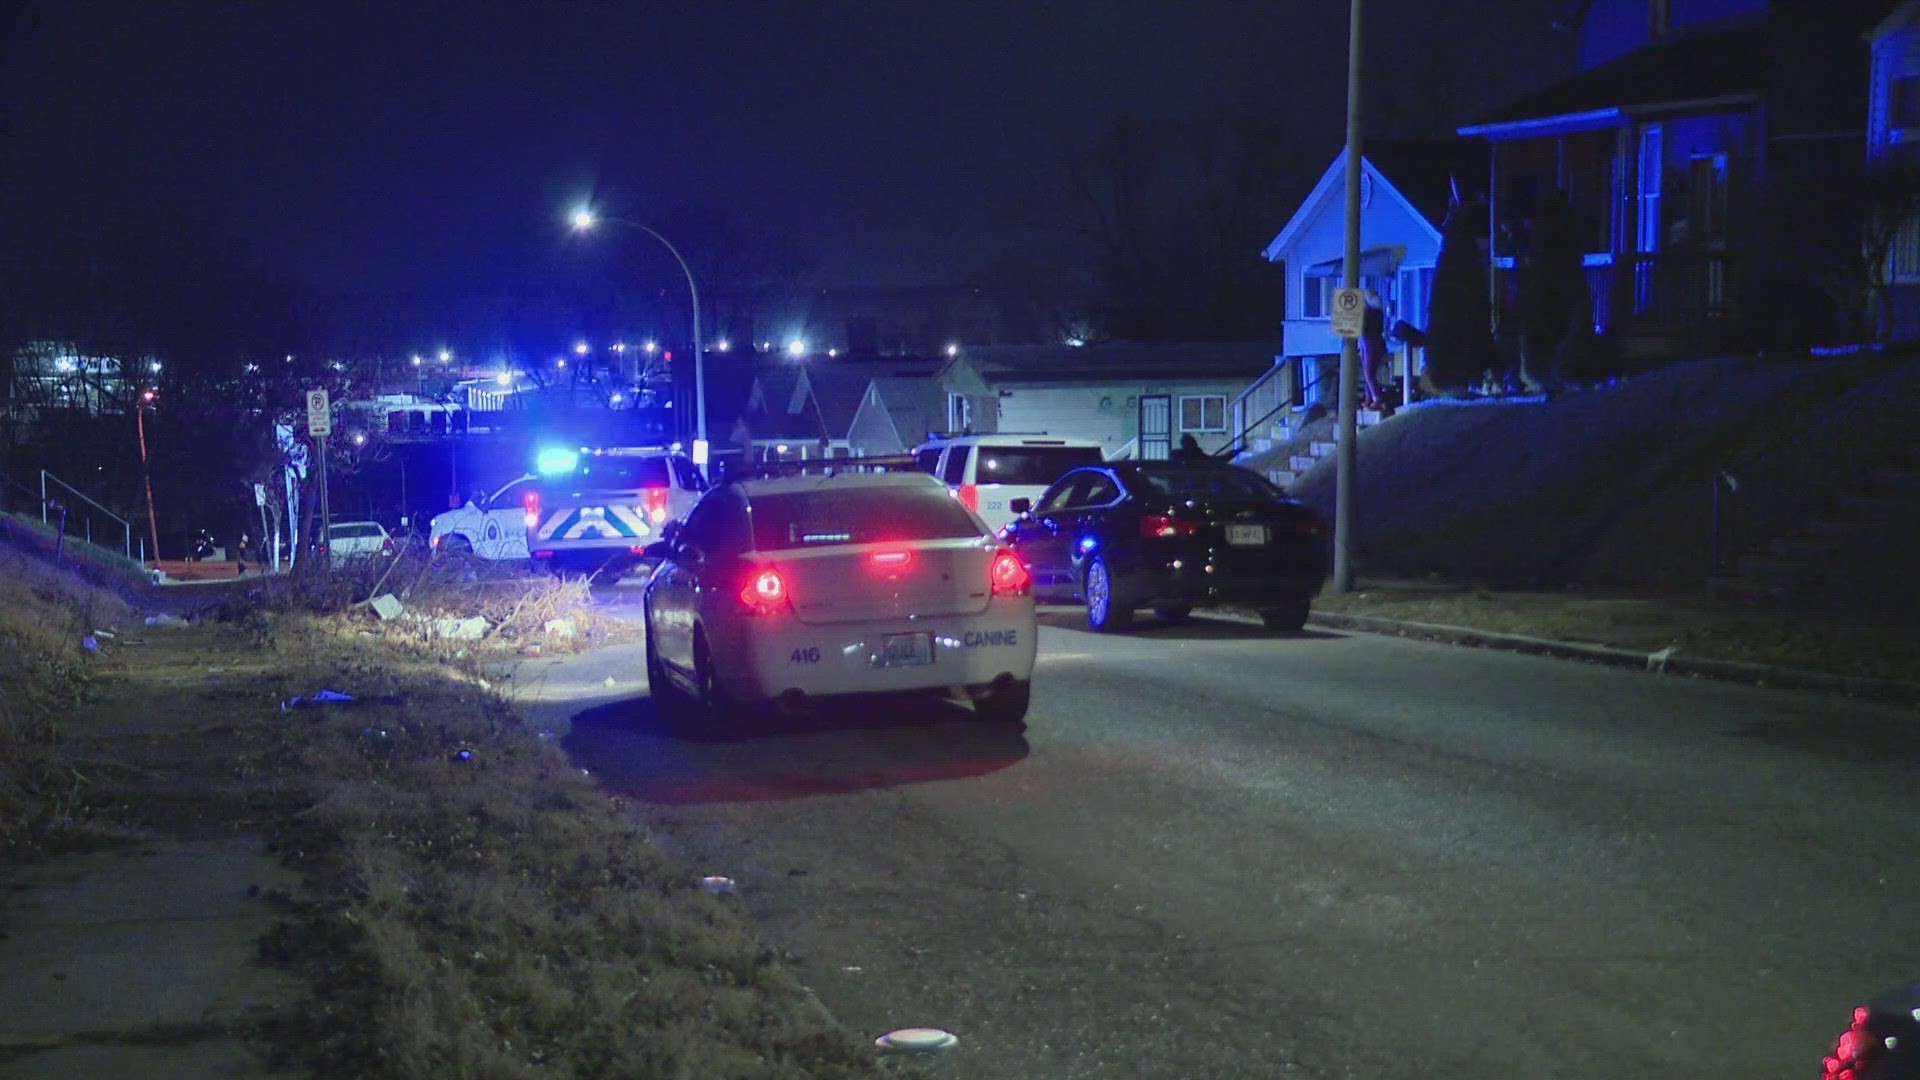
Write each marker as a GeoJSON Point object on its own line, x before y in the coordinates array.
{"type": "Point", "coordinates": [1345, 458]}
{"type": "Point", "coordinates": [146, 469]}
{"type": "Point", "coordinates": [584, 220]}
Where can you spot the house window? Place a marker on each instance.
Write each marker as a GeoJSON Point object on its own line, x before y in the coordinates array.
{"type": "Point", "coordinates": [1903, 102]}
{"type": "Point", "coordinates": [1204, 412]}
{"type": "Point", "coordinates": [1905, 255]}
{"type": "Point", "coordinates": [959, 413]}
{"type": "Point", "coordinates": [1316, 297]}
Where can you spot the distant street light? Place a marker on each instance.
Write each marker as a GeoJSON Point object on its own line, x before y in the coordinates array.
{"type": "Point", "coordinates": [505, 378]}
{"type": "Point", "coordinates": [723, 345]}
{"type": "Point", "coordinates": [560, 361]}
{"type": "Point", "coordinates": [445, 355]}
{"type": "Point", "coordinates": [584, 220]}
{"type": "Point", "coordinates": [581, 348]}
{"type": "Point", "coordinates": [953, 350]}
{"type": "Point", "coordinates": [796, 347]}
{"type": "Point", "coordinates": [650, 347]}
{"type": "Point", "coordinates": [416, 359]}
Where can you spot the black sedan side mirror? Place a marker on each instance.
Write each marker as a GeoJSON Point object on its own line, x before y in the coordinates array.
{"type": "Point", "coordinates": [1020, 506]}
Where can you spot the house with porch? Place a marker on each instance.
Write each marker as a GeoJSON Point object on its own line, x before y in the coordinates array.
{"type": "Point", "coordinates": [1706, 149]}
{"type": "Point", "coordinates": [1406, 190]}
{"type": "Point", "coordinates": [1893, 140]}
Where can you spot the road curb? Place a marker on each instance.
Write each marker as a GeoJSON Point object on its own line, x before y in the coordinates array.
{"type": "Point", "coordinates": [1666, 661]}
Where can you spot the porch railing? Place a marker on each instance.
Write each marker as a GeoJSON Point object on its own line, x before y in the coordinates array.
{"type": "Point", "coordinates": [1655, 290]}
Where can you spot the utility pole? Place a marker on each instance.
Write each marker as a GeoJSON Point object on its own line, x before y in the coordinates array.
{"type": "Point", "coordinates": [1347, 433]}
{"type": "Point", "coordinates": [146, 469]}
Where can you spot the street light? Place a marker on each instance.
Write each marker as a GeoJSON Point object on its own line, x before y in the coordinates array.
{"type": "Point", "coordinates": [580, 348]}
{"type": "Point", "coordinates": [445, 355]}
{"type": "Point", "coordinates": [584, 220]}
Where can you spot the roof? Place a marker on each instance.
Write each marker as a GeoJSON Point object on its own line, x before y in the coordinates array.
{"type": "Point", "coordinates": [916, 406]}
{"type": "Point", "coordinates": [1804, 56]}
{"type": "Point", "coordinates": [1420, 173]}
{"type": "Point", "coordinates": [1901, 17]}
{"type": "Point", "coordinates": [1713, 62]}
{"type": "Point", "coordinates": [1122, 362]}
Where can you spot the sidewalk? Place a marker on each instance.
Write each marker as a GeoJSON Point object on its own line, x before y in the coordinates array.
{"type": "Point", "coordinates": [141, 956]}
{"type": "Point", "coordinates": [1694, 636]}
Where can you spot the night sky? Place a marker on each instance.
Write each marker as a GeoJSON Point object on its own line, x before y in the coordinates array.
{"type": "Point", "coordinates": [434, 148]}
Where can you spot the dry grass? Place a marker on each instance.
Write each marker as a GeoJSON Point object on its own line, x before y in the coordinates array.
{"type": "Point", "coordinates": [517, 607]}
{"type": "Point", "coordinates": [497, 915]}
{"type": "Point", "coordinates": [45, 612]}
{"type": "Point", "coordinates": [1695, 626]}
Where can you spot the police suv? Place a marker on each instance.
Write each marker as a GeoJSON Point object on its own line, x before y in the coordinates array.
{"type": "Point", "coordinates": [792, 587]}
{"type": "Point", "coordinates": [987, 472]}
{"type": "Point", "coordinates": [591, 509]}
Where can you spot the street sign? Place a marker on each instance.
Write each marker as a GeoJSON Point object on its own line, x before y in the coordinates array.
{"type": "Point", "coordinates": [1349, 312]}
{"type": "Point", "coordinates": [319, 414]}
{"type": "Point", "coordinates": [259, 494]}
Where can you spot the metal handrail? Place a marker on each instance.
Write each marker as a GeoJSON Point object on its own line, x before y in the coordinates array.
{"type": "Point", "coordinates": [126, 527]}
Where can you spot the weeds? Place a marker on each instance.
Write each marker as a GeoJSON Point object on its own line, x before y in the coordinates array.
{"type": "Point", "coordinates": [45, 613]}
{"type": "Point", "coordinates": [496, 916]}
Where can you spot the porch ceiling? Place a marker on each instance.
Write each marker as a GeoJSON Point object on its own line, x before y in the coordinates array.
{"type": "Point", "coordinates": [1722, 65]}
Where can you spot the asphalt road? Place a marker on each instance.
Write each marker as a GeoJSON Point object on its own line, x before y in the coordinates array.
{"type": "Point", "coordinates": [1214, 852]}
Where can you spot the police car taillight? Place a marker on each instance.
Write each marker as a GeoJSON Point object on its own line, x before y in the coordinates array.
{"type": "Point", "coordinates": [970, 497]}
{"type": "Point", "coordinates": [656, 504]}
{"type": "Point", "coordinates": [1008, 574]}
{"type": "Point", "coordinates": [765, 591]}
{"type": "Point", "coordinates": [533, 509]}
{"type": "Point", "coordinates": [1855, 1050]}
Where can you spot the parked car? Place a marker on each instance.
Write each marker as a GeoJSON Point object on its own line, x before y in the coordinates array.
{"type": "Point", "coordinates": [795, 587]}
{"type": "Point", "coordinates": [1169, 535]}
{"type": "Point", "coordinates": [491, 527]}
{"type": "Point", "coordinates": [988, 472]}
{"type": "Point", "coordinates": [589, 509]}
{"type": "Point", "coordinates": [348, 540]}
{"type": "Point", "coordinates": [1882, 1043]}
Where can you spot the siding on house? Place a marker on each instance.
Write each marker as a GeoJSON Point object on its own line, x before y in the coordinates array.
{"type": "Point", "coordinates": [1108, 413]}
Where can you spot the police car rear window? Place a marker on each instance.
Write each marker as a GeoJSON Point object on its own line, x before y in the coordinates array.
{"type": "Point", "coordinates": [622, 473]}
{"type": "Point", "coordinates": [1036, 466]}
{"type": "Point", "coordinates": [820, 519]}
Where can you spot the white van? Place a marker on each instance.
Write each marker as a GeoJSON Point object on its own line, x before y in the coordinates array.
{"type": "Point", "coordinates": [987, 472]}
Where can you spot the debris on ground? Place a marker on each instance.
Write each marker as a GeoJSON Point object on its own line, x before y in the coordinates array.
{"type": "Point", "coordinates": [91, 644]}
{"type": "Point", "coordinates": [472, 629]}
{"type": "Point", "coordinates": [388, 606]}
{"type": "Point", "coordinates": [166, 618]}
{"type": "Point", "coordinates": [321, 697]}
{"type": "Point", "coordinates": [717, 884]}
{"type": "Point", "coordinates": [559, 628]}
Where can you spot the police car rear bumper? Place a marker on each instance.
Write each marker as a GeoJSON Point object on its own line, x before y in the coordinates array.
{"type": "Point", "coordinates": [780, 656]}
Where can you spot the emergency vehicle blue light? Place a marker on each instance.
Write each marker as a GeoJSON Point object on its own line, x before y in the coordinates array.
{"type": "Point", "coordinates": [557, 459]}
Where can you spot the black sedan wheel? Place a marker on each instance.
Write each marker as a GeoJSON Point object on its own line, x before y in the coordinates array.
{"type": "Point", "coordinates": [1107, 609]}
{"type": "Point", "coordinates": [1290, 619]}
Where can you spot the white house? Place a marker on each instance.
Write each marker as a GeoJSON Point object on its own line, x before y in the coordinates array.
{"type": "Point", "coordinates": [1406, 189]}
{"type": "Point", "coordinates": [1135, 400]}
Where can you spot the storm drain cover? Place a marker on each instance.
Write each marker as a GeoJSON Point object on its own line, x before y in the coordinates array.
{"type": "Point", "coordinates": [916, 1039]}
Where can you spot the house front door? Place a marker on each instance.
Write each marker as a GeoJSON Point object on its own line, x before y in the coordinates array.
{"type": "Point", "coordinates": [1156, 427]}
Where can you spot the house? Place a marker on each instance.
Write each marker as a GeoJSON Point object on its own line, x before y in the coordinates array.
{"type": "Point", "coordinates": [1406, 191]}
{"type": "Point", "coordinates": [1136, 400]}
{"type": "Point", "coordinates": [1893, 139]}
{"type": "Point", "coordinates": [1706, 151]}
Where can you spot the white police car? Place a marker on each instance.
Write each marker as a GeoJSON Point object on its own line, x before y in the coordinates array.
{"type": "Point", "coordinates": [788, 588]}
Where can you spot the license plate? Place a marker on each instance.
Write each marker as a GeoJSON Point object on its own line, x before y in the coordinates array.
{"type": "Point", "coordinates": [1246, 535]}
{"type": "Point", "coordinates": [903, 650]}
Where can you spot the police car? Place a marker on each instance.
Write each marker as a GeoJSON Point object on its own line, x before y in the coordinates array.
{"type": "Point", "coordinates": [792, 587]}
{"type": "Point", "coordinates": [589, 509]}
{"type": "Point", "coordinates": [491, 527]}
{"type": "Point", "coordinates": [987, 472]}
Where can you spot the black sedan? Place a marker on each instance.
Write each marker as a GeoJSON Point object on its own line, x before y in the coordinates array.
{"type": "Point", "coordinates": [1169, 535]}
